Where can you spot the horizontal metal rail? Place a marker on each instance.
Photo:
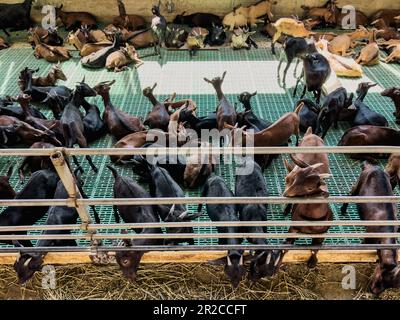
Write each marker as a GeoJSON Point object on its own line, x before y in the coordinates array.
{"type": "Point", "coordinates": [211, 150]}
{"type": "Point", "coordinates": [196, 200]}
{"type": "Point", "coordinates": [202, 224]}
{"type": "Point", "coordinates": [203, 248]}
{"type": "Point", "coordinates": [102, 236]}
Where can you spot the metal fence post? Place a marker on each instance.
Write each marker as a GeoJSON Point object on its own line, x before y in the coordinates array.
{"type": "Point", "coordinates": [64, 172]}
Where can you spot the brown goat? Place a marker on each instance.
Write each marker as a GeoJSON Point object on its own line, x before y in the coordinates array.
{"type": "Point", "coordinates": [51, 78]}
{"type": "Point", "coordinates": [137, 140]}
{"type": "Point", "coordinates": [128, 21]}
{"type": "Point", "coordinates": [49, 53]}
{"type": "Point", "coordinates": [369, 136]}
{"type": "Point", "coordinates": [307, 178]}
{"type": "Point", "coordinates": [73, 20]}
{"type": "Point", "coordinates": [341, 44]}
{"type": "Point", "coordinates": [276, 135]}
{"type": "Point", "coordinates": [388, 15]}
{"type": "Point", "coordinates": [158, 117]}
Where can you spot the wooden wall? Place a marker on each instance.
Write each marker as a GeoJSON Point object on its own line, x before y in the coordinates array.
{"type": "Point", "coordinates": [106, 9]}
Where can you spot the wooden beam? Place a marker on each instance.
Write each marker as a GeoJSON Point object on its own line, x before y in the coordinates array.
{"type": "Point", "coordinates": [67, 258]}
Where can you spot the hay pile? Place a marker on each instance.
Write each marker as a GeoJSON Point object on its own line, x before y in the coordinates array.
{"type": "Point", "coordinates": [193, 281]}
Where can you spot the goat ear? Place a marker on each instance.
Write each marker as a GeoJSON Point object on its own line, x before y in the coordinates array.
{"type": "Point", "coordinates": [154, 86]}
{"type": "Point", "coordinates": [254, 94]}
{"type": "Point", "coordinates": [206, 80]}
{"type": "Point", "coordinates": [309, 131]}
{"type": "Point", "coordinates": [83, 80]}
{"type": "Point", "coordinates": [223, 75]}
{"type": "Point", "coordinates": [217, 262]}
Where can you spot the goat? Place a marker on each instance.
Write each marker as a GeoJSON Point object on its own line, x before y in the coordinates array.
{"type": "Point", "coordinates": [34, 164]}
{"type": "Point", "coordinates": [98, 59]}
{"type": "Point", "coordinates": [51, 78]}
{"type": "Point", "coordinates": [384, 31]}
{"type": "Point", "coordinates": [290, 27]}
{"type": "Point", "coordinates": [195, 40]}
{"type": "Point", "coordinates": [208, 122]}
{"type": "Point", "coordinates": [295, 48]}
{"type": "Point", "coordinates": [387, 15]}
{"type": "Point", "coordinates": [73, 20]}
{"type": "Point", "coordinates": [48, 36]}
{"type": "Point", "coordinates": [9, 108]}
{"type": "Point", "coordinates": [176, 37]}
{"type": "Point", "coordinates": [364, 115]}
{"type": "Point", "coordinates": [119, 60]}
{"type": "Point", "coordinates": [49, 53]}
{"type": "Point", "coordinates": [307, 179]}
{"type": "Point", "coordinates": [248, 117]}
{"type": "Point", "coordinates": [202, 20]}
{"type": "Point", "coordinates": [28, 263]}
{"type": "Point", "coordinates": [129, 21]}
{"type": "Point", "coordinates": [256, 11]}
{"type": "Point", "coordinates": [308, 114]}
{"type": "Point", "coordinates": [235, 19]}
{"type": "Point", "coordinates": [15, 16]}
{"type": "Point", "coordinates": [369, 55]}
{"type": "Point", "coordinates": [341, 44]}
{"type": "Point", "coordinates": [241, 38]}
{"type": "Point", "coordinates": [163, 186]}
{"type": "Point", "coordinates": [234, 261]}
{"type": "Point", "coordinates": [41, 185]}
{"type": "Point", "coordinates": [394, 55]}
{"type": "Point", "coordinates": [226, 113]}
{"type": "Point", "coordinates": [125, 187]}
{"type": "Point", "coordinates": [332, 106]}
{"type": "Point", "coordinates": [86, 49]}
{"type": "Point", "coordinates": [326, 12]}
{"type": "Point", "coordinates": [72, 122]}
{"type": "Point", "coordinates": [137, 140]}
{"type": "Point", "coordinates": [316, 71]}
{"type": "Point", "coordinates": [369, 136]}
{"type": "Point", "coordinates": [6, 190]}
{"type": "Point", "coordinates": [217, 36]}
{"type": "Point", "coordinates": [374, 182]}
{"type": "Point", "coordinates": [119, 123]}
{"type": "Point", "coordinates": [158, 117]}
{"type": "Point", "coordinates": [159, 27]}
{"type": "Point", "coordinates": [393, 169]}
{"type": "Point", "coordinates": [94, 126]}
{"type": "Point", "coordinates": [250, 182]}
{"type": "Point", "coordinates": [394, 94]}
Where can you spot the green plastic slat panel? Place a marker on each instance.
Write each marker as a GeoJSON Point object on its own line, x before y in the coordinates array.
{"type": "Point", "coordinates": [126, 94]}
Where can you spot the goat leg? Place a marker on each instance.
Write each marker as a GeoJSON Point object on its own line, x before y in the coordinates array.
{"type": "Point", "coordinates": [304, 92]}
{"type": "Point", "coordinates": [288, 209]}
{"type": "Point", "coordinates": [78, 166]}
{"type": "Point", "coordinates": [312, 262]}
{"type": "Point", "coordinates": [297, 83]}
{"type": "Point", "coordinates": [89, 159]}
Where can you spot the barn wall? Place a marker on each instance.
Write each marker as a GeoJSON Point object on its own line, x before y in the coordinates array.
{"type": "Point", "coordinates": [106, 9]}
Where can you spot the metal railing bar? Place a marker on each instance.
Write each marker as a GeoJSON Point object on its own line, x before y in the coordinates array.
{"type": "Point", "coordinates": [102, 236]}
{"type": "Point", "coordinates": [211, 150]}
{"type": "Point", "coordinates": [196, 200]}
{"type": "Point", "coordinates": [202, 248]}
{"type": "Point", "coordinates": [271, 223]}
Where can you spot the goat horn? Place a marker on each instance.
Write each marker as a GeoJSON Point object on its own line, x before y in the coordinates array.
{"type": "Point", "coordinates": [268, 260]}
{"type": "Point", "coordinates": [325, 175]}
{"type": "Point", "coordinates": [26, 264]}
{"type": "Point", "coordinates": [171, 211]}
{"type": "Point", "coordinates": [299, 162]}
{"type": "Point", "coordinates": [228, 259]}
{"type": "Point", "coordinates": [317, 165]}
{"type": "Point", "coordinates": [154, 86]}
{"type": "Point", "coordinates": [241, 260]}
{"type": "Point", "coordinates": [183, 215]}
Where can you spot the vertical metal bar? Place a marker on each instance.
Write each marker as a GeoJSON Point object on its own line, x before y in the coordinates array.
{"type": "Point", "coordinates": [69, 183]}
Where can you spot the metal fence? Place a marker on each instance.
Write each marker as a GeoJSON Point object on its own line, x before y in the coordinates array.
{"type": "Point", "coordinates": [93, 232]}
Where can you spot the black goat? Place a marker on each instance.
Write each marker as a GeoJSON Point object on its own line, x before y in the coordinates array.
{"type": "Point", "coordinates": [159, 27]}
{"type": "Point", "coordinates": [72, 122]}
{"type": "Point", "coordinates": [332, 106]}
{"type": "Point", "coordinates": [217, 36]}
{"type": "Point", "coordinates": [295, 48]}
{"type": "Point", "coordinates": [176, 37]}
{"type": "Point", "coordinates": [316, 72]}
{"type": "Point", "coordinates": [42, 185]}
{"type": "Point", "coordinates": [250, 182]}
{"type": "Point", "coordinates": [364, 115]}
{"type": "Point", "coordinates": [203, 20]}
{"type": "Point", "coordinates": [248, 118]}
{"type": "Point", "coordinates": [29, 262]}
{"type": "Point", "coordinates": [234, 262]}
{"type": "Point", "coordinates": [308, 114]}
{"type": "Point", "coordinates": [15, 16]}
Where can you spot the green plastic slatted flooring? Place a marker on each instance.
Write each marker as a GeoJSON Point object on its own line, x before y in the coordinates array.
{"type": "Point", "coordinates": [126, 93]}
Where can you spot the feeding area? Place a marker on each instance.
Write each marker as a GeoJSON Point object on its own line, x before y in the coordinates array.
{"type": "Point", "coordinates": [221, 156]}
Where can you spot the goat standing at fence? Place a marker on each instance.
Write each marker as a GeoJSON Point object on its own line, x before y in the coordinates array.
{"type": "Point", "coordinates": [234, 261]}
{"type": "Point", "coordinates": [159, 27]}
{"type": "Point", "coordinates": [125, 187]}
{"type": "Point", "coordinates": [42, 185]}
{"type": "Point", "coordinates": [307, 179]}
{"type": "Point", "coordinates": [374, 182]}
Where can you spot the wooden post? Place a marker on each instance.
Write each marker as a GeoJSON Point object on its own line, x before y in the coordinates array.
{"type": "Point", "coordinates": [69, 183]}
